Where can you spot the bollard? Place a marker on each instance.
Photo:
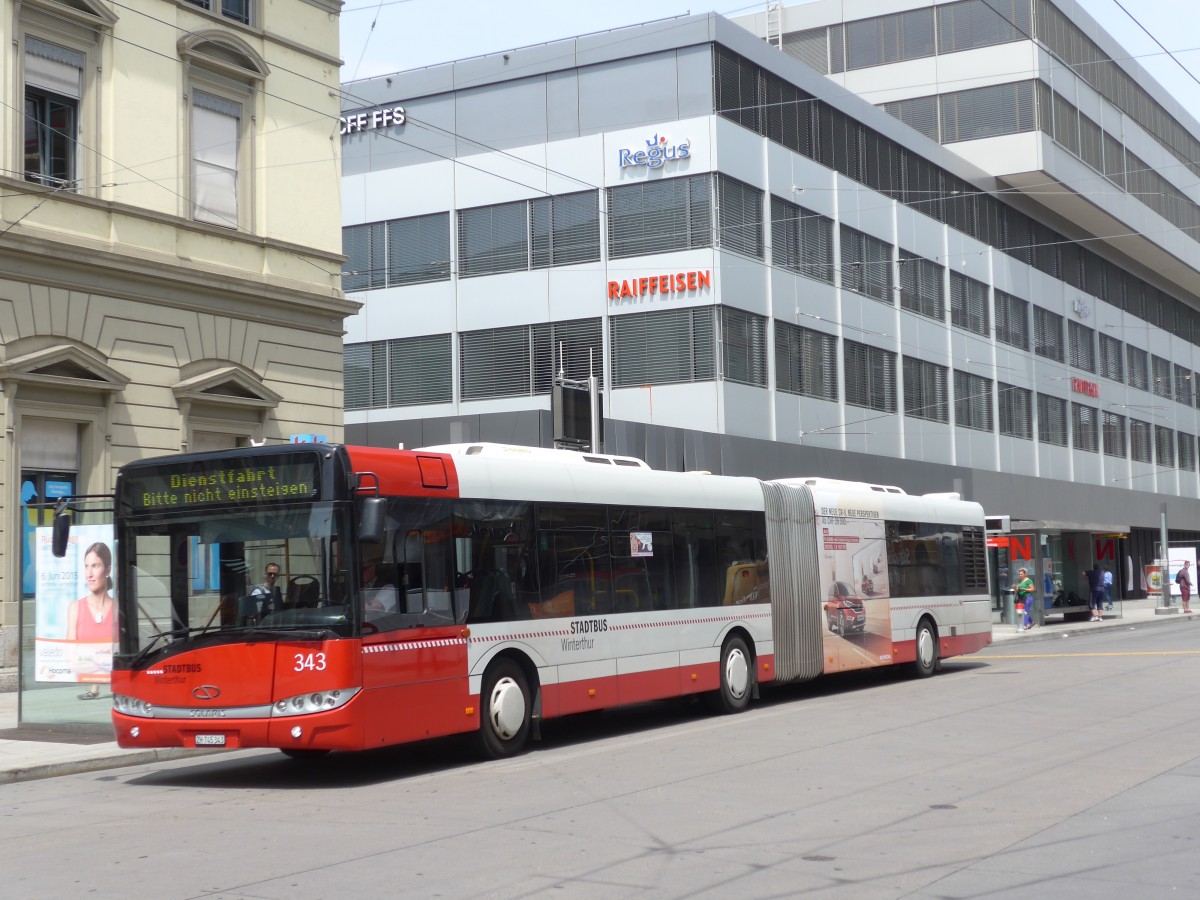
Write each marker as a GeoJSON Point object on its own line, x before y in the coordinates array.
{"type": "Point", "coordinates": [1019, 617]}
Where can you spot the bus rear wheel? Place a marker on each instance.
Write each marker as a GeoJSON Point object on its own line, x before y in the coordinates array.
{"type": "Point", "coordinates": [737, 676]}
{"type": "Point", "coordinates": [927, 661]}
{"type": "Point", "coordinates": [504, 710]}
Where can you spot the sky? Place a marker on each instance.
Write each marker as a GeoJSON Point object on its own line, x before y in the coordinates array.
{"type": "Point", "coordinates": [384, 36]}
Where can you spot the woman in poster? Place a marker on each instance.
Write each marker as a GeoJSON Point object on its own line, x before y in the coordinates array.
{"type": "Point", "coordinates": [92, 619]}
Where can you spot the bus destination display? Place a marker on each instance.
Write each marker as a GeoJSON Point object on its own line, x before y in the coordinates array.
{"type": "Point", "coordinates": [229, 481]}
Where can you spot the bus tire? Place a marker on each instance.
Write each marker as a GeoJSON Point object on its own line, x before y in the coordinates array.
{"type": "Point", "coordinates": [737, 679]}
{"type": "Point", "coordinates": [926, 662]}
{"type": "Point", "coordinates": [504, 710]}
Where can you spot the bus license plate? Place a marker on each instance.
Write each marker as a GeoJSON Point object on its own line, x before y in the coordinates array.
{"type": "Point", "coordinates": [210, 740]}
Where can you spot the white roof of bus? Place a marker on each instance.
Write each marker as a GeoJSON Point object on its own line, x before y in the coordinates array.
{"type": "Point", "coordinates": [537, 454]}
{"type": "Point", "coordinates": [563, 476]}
{"type": "Point", "coordinates": [509, 472]}
{"type": "Point", "coordinates": [856, 499]}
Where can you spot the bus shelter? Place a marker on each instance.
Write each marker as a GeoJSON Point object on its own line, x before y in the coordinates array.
{"type": "Point", "coordinates": [67, 621]}
{"type": "Point", "coordinates": [1057, 559]}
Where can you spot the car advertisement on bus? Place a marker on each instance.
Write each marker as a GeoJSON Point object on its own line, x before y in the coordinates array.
{"type": "Point", "coordinates": [856, 614]}
{"type": "Point", "coordinates": [75, 607]}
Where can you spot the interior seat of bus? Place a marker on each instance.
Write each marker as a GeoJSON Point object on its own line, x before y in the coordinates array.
{"type": "Point", "coordinates": [303, 591]}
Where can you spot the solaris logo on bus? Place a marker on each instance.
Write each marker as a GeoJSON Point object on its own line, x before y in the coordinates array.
{"type": "Point", "coordinates": [656, 154]}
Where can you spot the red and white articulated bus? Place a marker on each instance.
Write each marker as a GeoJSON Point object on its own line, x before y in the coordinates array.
{"type": "Point", "coordinates": [482, 588]}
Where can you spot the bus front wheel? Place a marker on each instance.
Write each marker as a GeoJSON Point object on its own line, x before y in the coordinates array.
{"type": "Point", "coordinates": [737, 674]}
{"type": "Point", "coordinates": [504, 710]}
{"type": "Point", "coordinates": [927, 661]}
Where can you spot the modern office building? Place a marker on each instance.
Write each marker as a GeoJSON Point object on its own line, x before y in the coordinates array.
{"type": "Point", "coordinates": [955, 251]}
{"type": "Point", "coordinates": [170, 251]}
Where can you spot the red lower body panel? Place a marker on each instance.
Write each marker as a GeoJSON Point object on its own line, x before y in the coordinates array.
{"type": "Point", "coordinates": [339, 729]}
{"type": "Point", "coordinates": [959, 645]}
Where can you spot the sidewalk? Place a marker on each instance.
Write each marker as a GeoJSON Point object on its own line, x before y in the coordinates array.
{"type": "Point", "coordinates": [27, 754]}
{"type": "Point", "coordinates": [1125, 614]}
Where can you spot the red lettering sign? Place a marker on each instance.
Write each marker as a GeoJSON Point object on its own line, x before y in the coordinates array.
{"type": "Point", "coordinates": [666, 283]}
{"type": "Point", "coordinates": [1106, 548]}
{"type": "Point", "coordinates": [1082, 386]}
{"type": "Point", "coordinates": [1020, 546]}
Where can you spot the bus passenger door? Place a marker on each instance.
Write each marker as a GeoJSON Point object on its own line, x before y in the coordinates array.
{"type": "Point", "coordinates": [414, 647]}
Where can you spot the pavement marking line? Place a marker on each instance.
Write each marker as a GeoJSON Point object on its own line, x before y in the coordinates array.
{"type": "Point", "coordinates": [1074, 655]}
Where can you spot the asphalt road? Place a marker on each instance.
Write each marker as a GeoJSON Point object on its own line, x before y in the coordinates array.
{"type": "Point", "coordinates": [1065, 768]}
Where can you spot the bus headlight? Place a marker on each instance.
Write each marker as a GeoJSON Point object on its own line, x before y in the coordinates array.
{"type": "Point", "coordinates": [317, 701]}
{"type": "Point", "coordinates": [132, 706]}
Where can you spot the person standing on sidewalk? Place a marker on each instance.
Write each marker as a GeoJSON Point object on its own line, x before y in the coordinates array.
{"type": "Point", "coordinates": [1184, 580]}
{"type": "Point", "coordinates": [1108, 586]}
{"type": "Point", "coordinates": [1024, 591]}
{"type": "Point", "coordinates": [1095, 578]}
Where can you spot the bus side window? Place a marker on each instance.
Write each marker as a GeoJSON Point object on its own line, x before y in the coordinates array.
{"type": "Point", "coordinates": [695, 553]}
{"type": "Point", "coordinates": [576, 568]}
{"type": "Point", "coordinates": [492, 552]}
{"type": "Point", "coordinates": [642, 552]}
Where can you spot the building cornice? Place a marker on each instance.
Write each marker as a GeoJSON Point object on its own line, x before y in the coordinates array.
{"type": "Point", "coordinates": [70, 266]}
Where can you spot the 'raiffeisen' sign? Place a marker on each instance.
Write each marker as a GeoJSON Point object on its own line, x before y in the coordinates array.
{"type": "Point", "coordinates": [659, 151]}
{"type": "Point", "coordinates": [380, 117]}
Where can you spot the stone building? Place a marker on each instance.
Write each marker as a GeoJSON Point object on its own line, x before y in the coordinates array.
{"type": "Point", "coordinates": [170, 250]}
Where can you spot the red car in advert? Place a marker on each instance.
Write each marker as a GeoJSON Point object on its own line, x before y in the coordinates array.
{"type": "Point", "coordinates": [844, 611]}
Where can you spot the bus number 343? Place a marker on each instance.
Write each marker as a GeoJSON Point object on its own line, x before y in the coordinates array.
{"type": "Point", "coordinates": [311, 662]}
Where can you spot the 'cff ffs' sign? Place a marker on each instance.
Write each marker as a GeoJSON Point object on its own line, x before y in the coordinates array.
{"type": "Point", "coordinates": [380, 117]}
{"type": "Point", "coordinates": [656, 153]}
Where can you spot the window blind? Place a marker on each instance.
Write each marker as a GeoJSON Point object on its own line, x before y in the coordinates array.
{"type": "Point", "coordinates": [1016, 411]}
{"type": "Point", "coordinates": [972, 401]}
{"type": "Point", "coordinates": [925, 390]}
{"type": "Point", "coordinates": [969, 304]}
{"type": "Point", "coordinates": [1113, 430]}
{"type": "Point", "coordinates": [1084, 427]}
{"type": "Point", "coordinates": [420, 370]}
{"type": "Point", "coordinates": [1052, 420]}
{"type": "Point", "coordinates": [739, 217]}
{"type": "Point", "coordinates": [1082, 346]}
{"type": "Point", "coordinates": [495, 362]}
{"type": "Point", "coordinates": [805, 361]}
{"type": "Point", "coordinates": [663, 347]}
{"type": "Point", "coordinates": [743, 347]}
{"type": "Point", "coordinates": [870, 376]}
{"type": "Point", "coordinates": [1012, 320]}
{"type": "Point", "coordinates": [660, 216]}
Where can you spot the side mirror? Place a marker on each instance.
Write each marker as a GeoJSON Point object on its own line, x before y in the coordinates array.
{"type": "Point", "coordinates": [60, 533]}
{"type": "Point", "coordinates": [372, 520]}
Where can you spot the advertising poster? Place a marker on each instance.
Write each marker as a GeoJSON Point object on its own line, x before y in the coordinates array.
{"type": "Point", "coordinates": [856, 612]}
{"type": "Point", "coordinates": [1153, 579]}
{"type": "Point", "coordinates": [75, 607]}
{"type": "Point", "coordinates": [1176, 558]}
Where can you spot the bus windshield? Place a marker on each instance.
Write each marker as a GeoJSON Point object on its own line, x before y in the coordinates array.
{"type": "Point", "coordinates": [204, 578]}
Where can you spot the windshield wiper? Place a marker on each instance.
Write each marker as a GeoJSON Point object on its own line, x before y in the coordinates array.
{"type": "Point", "coordinates": [146, 652]}
{"type": "Point", "coordinates": [294, 630]}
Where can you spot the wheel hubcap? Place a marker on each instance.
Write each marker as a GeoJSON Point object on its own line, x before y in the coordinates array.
{"type": "Point", "coordinates": [737, 673]}
{"type": "Point", "coordinates": [507, 708]}
{"type": "Point", "coordinates": [925, 647]}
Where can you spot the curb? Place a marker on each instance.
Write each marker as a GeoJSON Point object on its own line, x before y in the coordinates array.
{"type": "Point", "coordinates": [1040, 634]}
{"type": "Point", "coordinates": [99, 763]}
